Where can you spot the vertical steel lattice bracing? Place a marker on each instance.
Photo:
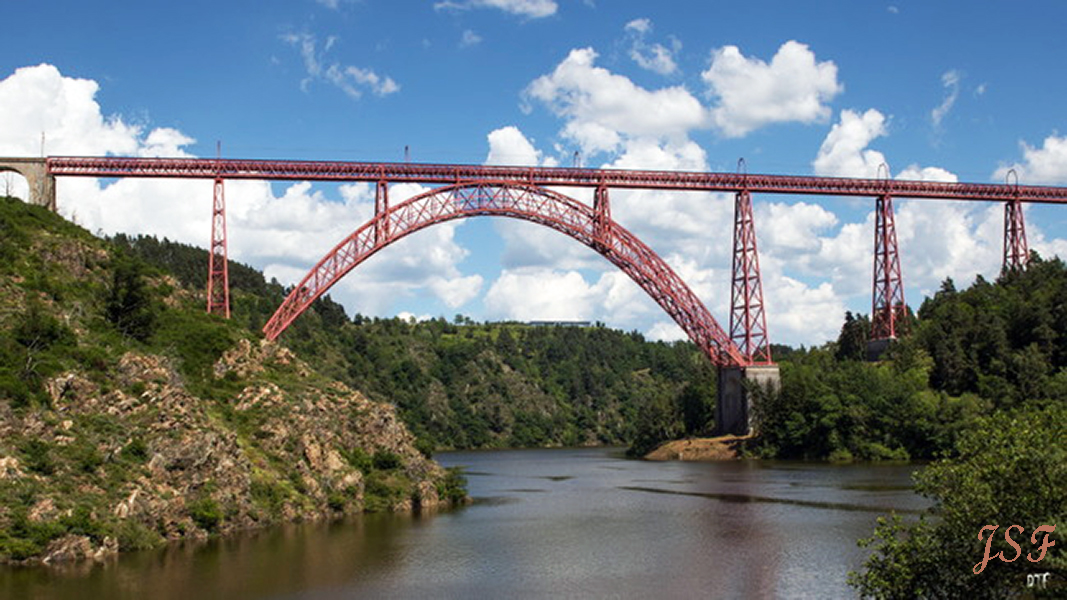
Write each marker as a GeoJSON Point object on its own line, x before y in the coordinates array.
{"type": "Point", "coordinates": [381, 207]}
{"type": "Point", "coordinates": [1016, 252]}
{"type": "Point", "coordinates": [602, 218]}
{"type": "Point", "coordinates": [888, 308]}
{"type": "Point", "coordinates": [218, 278]}
{"type": "Point", "coordinates": [748, 320]}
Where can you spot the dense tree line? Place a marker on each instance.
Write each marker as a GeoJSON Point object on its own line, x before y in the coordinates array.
{"type": "Point", "coordinates": [509, 384]}
{"type": "Point", "coordinates": [995, 356]}
{"type": "Point", "coordinates": [968, 353]}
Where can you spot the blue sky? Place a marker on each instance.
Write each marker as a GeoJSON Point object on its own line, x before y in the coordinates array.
{"type": "Point", "coordinates": [935, 90]}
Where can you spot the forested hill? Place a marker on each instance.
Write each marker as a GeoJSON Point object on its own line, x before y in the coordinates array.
{"type": "Point", "coordinates": [460, 384]}
{"type": "Point", "coordinates": [967, 353]}
{"type": "Point", "coordinates": [994, 347]}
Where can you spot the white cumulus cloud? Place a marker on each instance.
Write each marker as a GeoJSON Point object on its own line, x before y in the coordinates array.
{"type": "Point", "coordinates": [508, 146]}
{"type": "Point", "coordinates": [40, 100]}
{"type": "Point", "coordinates": [845, 152]}
{"type": "Point", "coordinates": [601, 108]}
{"type": "Point", "coordinates": [529, 294]}
{"type": "Point", "coordinates": [1046, 165]}
{"type": "Point", "coordinates": [752, 93]}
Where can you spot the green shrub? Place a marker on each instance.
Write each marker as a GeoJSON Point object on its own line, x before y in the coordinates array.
{"type": "Point", "coordinates": [266, 494]}
{"type": "Point", "coordinates": [385, 460]}
{"type": "Point", "coordinates": [129, 305]}
{"type": "Point", "coordinates": [453, 487]}
{"type": "Point", "coordinates": [37, 456]}
{"type": "Point", "coordinates": [82, 522]}
{"type": "Point", "coordinates": [359, 459]}
{"type": "Point", "coordinates": [37, 331]}
{"type": "Point", "coordinates": [16, 548]}
{"type": "Point", "coordinates": [297, 480]}
{"type": "Point", "coordinates": [85, 456]}
{"type": "Point", "coordinates": [336, 500]}
{"type": "Point", "coordinates": [384, 489]}
{"type": "Point", "coordinates": [132, 535]}
{"type": "Point", "coordinates": [20, 393]}
{"type": "Point", "coordinates": [136, 450]}
{"type": "Point", "coordinates": [425, 446]}
{"type": "Point", "coordinates": [205, 512]}
{"type": "Point", "coordinates": [197, 341]}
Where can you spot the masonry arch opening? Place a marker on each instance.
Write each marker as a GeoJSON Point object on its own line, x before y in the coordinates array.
{"type": "Point", "coordinates": [14, 184]}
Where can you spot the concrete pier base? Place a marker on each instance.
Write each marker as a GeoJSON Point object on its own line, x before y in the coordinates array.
{"type": "Point", "coordinates": [734, 409]}
{"type": "Point", "coordinates": [876, 348]}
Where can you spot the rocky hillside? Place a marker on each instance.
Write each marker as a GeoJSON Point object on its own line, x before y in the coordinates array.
{"type": "Point", "coordinates": [128, 417]}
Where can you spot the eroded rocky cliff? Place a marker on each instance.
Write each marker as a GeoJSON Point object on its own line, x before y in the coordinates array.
{"type": "Point", "coordinates": [129, 418]}
{"type": "Point", "coordinates": [146, 461]}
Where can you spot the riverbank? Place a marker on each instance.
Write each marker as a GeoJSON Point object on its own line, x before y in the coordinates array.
{"type": "Point", "coordinates": [727, 447]}
{"type": "Point", "coordinates": [546, 524]}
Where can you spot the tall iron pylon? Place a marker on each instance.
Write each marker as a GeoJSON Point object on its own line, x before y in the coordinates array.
{"type": "Point", "coordinates": [748, 319]}
{"type": "Point", "coordinates": [1016, 252]}
{"type": "Point", "coordinates": [887, 308]}
{"type": "Point", "coordinates": [218, 279]}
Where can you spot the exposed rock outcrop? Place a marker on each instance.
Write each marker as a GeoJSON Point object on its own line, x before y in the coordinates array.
{"type": "Point", "coordinates": [155, 462]}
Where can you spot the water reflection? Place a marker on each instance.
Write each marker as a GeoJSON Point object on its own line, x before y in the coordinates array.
{"type": "Point", "coordinates": [544, 523]}
{"type": "Point", "coordinates": [742, 498]}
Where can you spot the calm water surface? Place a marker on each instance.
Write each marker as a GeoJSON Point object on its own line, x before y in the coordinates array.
{"type": "Point", "coordinates": [545, 523]}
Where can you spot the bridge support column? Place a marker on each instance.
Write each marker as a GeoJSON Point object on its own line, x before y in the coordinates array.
{"type": "Point", "coordinates": [1016, 252]}
{"type": "Point", "coordinates": [602, 217]}
{"type": "Point", "coordinates": [748, 320]}
{"type": "Point", "coordinates": [218, 278]}
{"type": "Point", "coordinates": [381, 210]}
{"type": "Point", "coordinates": [42, 183]}
{"type": "Point", "coordinates": [734, 410]}
{"type": "Point", "coordinates": [887, 308]}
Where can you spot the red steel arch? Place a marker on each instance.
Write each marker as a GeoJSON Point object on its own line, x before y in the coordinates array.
{"type": "Point", "coordinates": [592, 227]}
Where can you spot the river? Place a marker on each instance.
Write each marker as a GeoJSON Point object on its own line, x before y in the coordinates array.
{"type": "Point", "coordinates": [545, 523]}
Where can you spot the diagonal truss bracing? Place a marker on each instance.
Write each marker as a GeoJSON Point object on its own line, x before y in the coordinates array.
{"type": "Point", "coordinates": [748, 319]}
{"type": "Point", "coordinates": [529, 203]}
{"type": "Point", "coordinates": [430, 174]}
{"type": "Point", "coordinates": [1016, 252]}
{"type": "Point", "coordinates": [888, 310]}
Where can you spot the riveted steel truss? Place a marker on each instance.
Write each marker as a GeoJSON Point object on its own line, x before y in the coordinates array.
{"type": "Point", "coordinates": [888, 307]}
{"type": "Point", "coordinates": [748, 316]}
{"type": "Point", "coordinates": [590, 226]}
{"type": "Point", "coordinates": [1016, 252]}
{"type": "Point", "coordinates": [748, 319]}
{"type": "Point", "coordinates": [430, 174]}
{"type": "Point", "coordinates": [218, 279]}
